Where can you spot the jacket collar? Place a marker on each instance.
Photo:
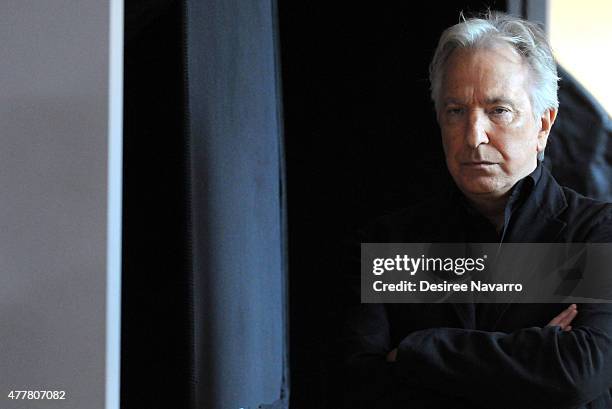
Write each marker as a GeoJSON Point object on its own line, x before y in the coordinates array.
{"type": "Point", "coordinates": [537, 220]}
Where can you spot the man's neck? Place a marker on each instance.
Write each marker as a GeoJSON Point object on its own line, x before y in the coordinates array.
{"type": "Point", "coordinates": [493, 205]}
{"type": "Point", "coordinates": [492, 208]}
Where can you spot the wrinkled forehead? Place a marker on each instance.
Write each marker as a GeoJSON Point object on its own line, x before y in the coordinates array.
{"type": "Point", "coordinates": [487, 72]}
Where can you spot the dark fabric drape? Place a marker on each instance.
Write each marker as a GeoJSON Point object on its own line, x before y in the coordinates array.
{"type": "Point", "coordinates": [235, 134]}
{"type": "Point", "coordinates": [579, 152]}
{"type": "Point", "coordinates": [203, 313]}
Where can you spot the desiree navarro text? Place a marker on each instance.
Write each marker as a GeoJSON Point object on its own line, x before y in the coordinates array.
{"type": "Point", "coordinates": [425, 286]}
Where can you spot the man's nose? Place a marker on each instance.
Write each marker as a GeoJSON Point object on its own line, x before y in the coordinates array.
{"type": "Point", "coordinates": [476, 129]}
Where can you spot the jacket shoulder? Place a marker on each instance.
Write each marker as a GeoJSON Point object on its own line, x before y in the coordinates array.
{"type": "Point", "coordinates": [588, 220]}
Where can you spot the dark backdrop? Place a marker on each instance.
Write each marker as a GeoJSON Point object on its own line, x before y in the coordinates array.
{"type": "Point", "coordinates": [156, 328]}
{"type": "Point", "coordinates": [361, 140]}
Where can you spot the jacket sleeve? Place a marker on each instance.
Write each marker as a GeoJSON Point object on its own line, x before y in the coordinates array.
{"type": "Point", "coordinates": [531, 367]}
{"type": "Point", "coordinates": [365, 343]}
{"type": "Point", "coordinates": [365, 346]}
{"type": "Point", "coordinates": [373, 382]}
{"type": "Point", "coordinates": [365, 339]}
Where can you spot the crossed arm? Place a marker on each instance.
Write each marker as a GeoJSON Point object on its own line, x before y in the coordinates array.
{"type": "Point", "coordinates": [565, 364]}
{"type": "Point", "coordinates": [563, 321]}
{"type": "Point", "coordinates": [562, 365]}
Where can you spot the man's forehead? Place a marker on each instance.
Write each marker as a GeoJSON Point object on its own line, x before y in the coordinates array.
{"type": "Point", "coordinates": [489, 100]}
{"type": "Point", "coordinates": [490, 75]}
{"type": "Point", "coordinates": [499, 50]}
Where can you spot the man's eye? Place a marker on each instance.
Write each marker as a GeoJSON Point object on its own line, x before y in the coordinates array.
{"type": "Point", "coordinates": [454, 111]}
{"type": "Point", "coordinates": [500, 111]}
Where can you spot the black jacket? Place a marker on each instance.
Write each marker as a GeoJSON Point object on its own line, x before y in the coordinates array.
{"type": "Point", "coordinates": [489, 355]}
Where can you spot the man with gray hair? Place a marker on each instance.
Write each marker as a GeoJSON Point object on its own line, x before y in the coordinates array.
{"type": "Point", "coordinates": [494, 87]}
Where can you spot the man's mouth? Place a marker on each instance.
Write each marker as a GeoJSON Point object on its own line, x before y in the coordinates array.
{"type": "Point", "coordinates": [478, 166]}
{"type": "Point", "coordinates": [478, 163]}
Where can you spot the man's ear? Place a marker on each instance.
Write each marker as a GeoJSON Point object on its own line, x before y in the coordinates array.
{"type": "Point", "coordinates": [546, 122]}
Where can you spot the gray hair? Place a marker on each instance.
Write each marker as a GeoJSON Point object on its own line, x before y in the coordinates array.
{"type": "Point", "coordinates": [525, 37]}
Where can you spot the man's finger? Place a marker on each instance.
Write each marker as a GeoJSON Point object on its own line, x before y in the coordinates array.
{"type": "Point", "coordinates": [562, 314]}
{"type": "Point", "coordinates": [568, 312]}
{"type": "Point", "coordinates": [568, 318]}
{"type": "Point", "coordinates": [391, 356]}
{"type": "Point", "coordinates": [558, 318]}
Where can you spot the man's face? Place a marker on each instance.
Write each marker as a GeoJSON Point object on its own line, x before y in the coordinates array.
{"type": "Point", "coordinates": [489, 133]}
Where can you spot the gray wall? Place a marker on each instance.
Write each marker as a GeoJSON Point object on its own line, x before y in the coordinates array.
{"type": "Point", "coordinates": [53, 207]}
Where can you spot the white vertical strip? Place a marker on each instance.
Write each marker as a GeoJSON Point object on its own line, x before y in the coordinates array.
{"type": "Point", "coordinates": [113, 249]}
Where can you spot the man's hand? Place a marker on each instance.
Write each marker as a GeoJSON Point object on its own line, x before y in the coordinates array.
{"type": "Point", "coordinates": [563, 320]}
{"type": "Point", "coordinates": [392, 355]}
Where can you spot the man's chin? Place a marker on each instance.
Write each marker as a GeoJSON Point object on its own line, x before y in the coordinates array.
{"type": "Point", "coordinates": [485, 187]}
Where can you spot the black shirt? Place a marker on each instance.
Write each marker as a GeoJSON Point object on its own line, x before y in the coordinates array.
{"type": "Point", "coordinates": [476, 227]}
